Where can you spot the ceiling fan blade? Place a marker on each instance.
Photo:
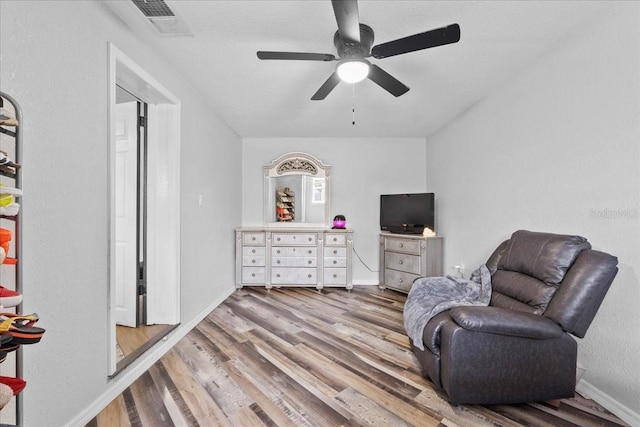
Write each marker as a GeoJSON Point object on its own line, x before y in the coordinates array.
{"type": "Point", "coordinates": [298, 56]}
{"type": "Point", "coordinates": [386, 81]}
{"type": "Point", "coordinates": [433, 38]}
{"type": "Point", "coordinates": [346, 12]}
{"type": "Point", "coordinates": [327, 87]}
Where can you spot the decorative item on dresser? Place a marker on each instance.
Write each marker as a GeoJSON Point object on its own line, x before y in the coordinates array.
{"type": "Point", "coordinates": [293, 257]}
{"type": "Point", "coordinates": [405, 257]}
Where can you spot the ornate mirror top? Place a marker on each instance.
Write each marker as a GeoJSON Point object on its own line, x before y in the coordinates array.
{"type": "Point", "coordinates": [296, 163]}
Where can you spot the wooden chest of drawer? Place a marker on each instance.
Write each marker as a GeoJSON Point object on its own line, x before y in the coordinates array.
{"type": "Point", "coordinates": [404, 258]}
{"type": "Point", "coordinates": [292, 256]}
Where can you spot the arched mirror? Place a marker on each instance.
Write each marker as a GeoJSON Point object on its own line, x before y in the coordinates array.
{"type": "Point", "coordinates": [297, 192]}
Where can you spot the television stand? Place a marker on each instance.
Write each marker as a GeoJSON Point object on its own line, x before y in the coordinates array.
{"type": "Point", "coordinates": [406, 257]}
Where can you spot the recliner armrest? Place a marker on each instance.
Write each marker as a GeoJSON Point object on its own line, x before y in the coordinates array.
{"type": "Point", "coordinates": [496, 320]}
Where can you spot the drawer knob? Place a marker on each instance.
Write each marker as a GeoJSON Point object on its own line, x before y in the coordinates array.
{"type": "Point", "coordinates": [335, 276]}
{"type": "Point", "coordinates": [253, 274]}
{"type": "Point", "coordinates": [309, 276]}
{"type": "Point", "coordinates": [278, 251]}
{"type": "Point", "coordinates": [309, 262]}
{"type": "Point", "coordinates": [310, 239]}
{"type": "Point", "coordinates": [253, 261]}
{"type": "Point", "coordinates": [401, 280]}
{"type": "Point", "coordinates": [335, 252]}
{"type": "Point", "coordinates": [278, 239]}
{"type": "Point", "coordinates": [401, 262]}
{"type": "Point", "coordinates": [253, 251]}
{"type": "Point", "coordinates": [309, 252]}
{"type": "Point", "coordinates": [253, 238]}
{"type": "Point", "coordinates": [402, 245]}
{"type": "Point", "coordinates": [335, 239]}
{"type": "Point", "coordinates": [278, 262]}
{"type": "Point", "coordinates": [277, 275]}
{"type": "Point", "coordinates": [335, 261]}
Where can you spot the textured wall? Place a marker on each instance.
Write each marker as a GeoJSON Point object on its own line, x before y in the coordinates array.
{"type": "Point", "coordinates": [54, 62]}
{"type": "Point", "coordinates": [556, 149]}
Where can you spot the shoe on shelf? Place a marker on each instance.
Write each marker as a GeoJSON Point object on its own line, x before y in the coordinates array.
{"type": "Point", "coordinates": [11, 209]}
{"type": "Point", "coordinates": [9, 298]}
{"type": "Point", "coordinates": [7, 119]}
{"type": "Point", "coordinates": [16, 384]}
{"type": "Point", "coordinates": [6, 393]}
{"type": "Point", "coordinates": [6, 160]}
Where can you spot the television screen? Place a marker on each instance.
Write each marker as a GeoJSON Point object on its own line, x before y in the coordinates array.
{"type": "Point", "coordinates": [407, 213]}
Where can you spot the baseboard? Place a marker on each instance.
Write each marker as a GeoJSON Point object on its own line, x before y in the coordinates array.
{"type": "Point", "coordinates": [123, 380]}
{"type": "Point", "coordinates": [621, 411]}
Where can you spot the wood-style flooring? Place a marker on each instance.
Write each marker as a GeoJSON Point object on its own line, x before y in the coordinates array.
{"type": "Point", "coordinates": [295, 357]}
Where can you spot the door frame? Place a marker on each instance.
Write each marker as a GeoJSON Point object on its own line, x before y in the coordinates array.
{"type": "Point", "coordinates": [163, 193]}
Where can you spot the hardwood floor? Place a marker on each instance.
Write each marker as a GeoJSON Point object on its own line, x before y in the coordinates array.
{"type": "Point", "coordinates": [294, 357]}
{"type": "Point", "coordinates": [132, 342]}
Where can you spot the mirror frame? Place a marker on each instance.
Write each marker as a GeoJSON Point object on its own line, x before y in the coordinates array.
{"type": "Point", "coordinates": [295, 163]}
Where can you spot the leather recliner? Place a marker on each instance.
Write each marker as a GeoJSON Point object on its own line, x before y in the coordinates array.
{"type": "Point", "coordinates": [545, 288]}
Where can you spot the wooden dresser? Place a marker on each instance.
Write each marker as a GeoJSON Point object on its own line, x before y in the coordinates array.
{"type": "Point", "coordinates": [405, 257]}
{"type": "Point", "coordinates": [293, 257]}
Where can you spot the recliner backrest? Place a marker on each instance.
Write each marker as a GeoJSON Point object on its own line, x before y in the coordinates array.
{"type": "Point", "coordinates": [558, 276]}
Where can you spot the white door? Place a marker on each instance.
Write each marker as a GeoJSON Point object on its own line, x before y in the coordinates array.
{"type": "Point", "coordinates": [126, 213]}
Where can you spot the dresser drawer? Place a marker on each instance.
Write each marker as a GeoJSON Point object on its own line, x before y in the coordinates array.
{"type": "Point", "coordinates": [294, 262]}
{"type": "Point", "coordinates": [253, 239]}
{"type": "Point", "coordinates": [253, 275]}
{"type": "Point", "coordinates": [399, 279]}
{"type": "Point", "coordinates": [402, 262]}
{"type": "Point", "coordinates": [335, 252]}
{"type": "Point", "coordinates": [335, 262]}
{"type": "Point", "coordinates": [253, 256]}
{"type": "Point", "coordinates": [290, 239]}
{"type": "Point", "coordinates": [332, 239]}
{"type": "Point", "coordinates": [335, 276]}
{"type": "Point", "coordinates": [403, 245]}
{"type": "Point", "coordinates": [294, 252]}
{"type": "Point", "coordinates": [290, 276]}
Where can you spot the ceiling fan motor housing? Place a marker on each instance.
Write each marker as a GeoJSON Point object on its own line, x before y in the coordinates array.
{"type": "Point", "coordinates": [357, 50]}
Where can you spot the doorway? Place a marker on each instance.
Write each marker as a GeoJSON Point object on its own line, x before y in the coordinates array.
{"type": "Point", "coordinates": [144, 253]}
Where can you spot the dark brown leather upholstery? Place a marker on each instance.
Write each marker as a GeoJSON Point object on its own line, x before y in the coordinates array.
{"type": "Point", "coordinates": [519, 349]}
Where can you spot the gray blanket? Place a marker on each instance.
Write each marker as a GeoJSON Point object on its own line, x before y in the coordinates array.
{"type": "Point", "coordinates": [432, 295]}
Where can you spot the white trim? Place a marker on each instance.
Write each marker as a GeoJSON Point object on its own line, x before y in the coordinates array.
{"type": "Point", "coordinates": [163, 213]}
{"type": "Point", "coordinates": [142, 364]}
{"type": "Point", "coordinates": [621, 411]}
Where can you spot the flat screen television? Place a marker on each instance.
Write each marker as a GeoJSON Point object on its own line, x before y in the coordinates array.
{"type": "Point", "coordinates": [407, 213]}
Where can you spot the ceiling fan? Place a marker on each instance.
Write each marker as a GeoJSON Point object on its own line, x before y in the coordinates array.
{"type": "Point", "coordinates": [353, 42]}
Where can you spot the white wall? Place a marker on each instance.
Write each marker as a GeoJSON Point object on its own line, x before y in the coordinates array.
{"type": "Point", "coordinates": [557, 150]}
{"type": "Point", "coordinates": [54, 62]}
{"type": "Point", "coordinates": [361, 170]}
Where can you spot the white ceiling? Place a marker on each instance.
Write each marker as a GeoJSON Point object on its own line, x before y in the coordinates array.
{"type": "Point", "coordinates": [272, 98]}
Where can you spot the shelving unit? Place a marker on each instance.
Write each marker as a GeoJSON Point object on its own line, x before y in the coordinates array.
{"type": "Point", "coordinates": [11, 273]}
{"type": "Point", "coordinates": [285, 205]}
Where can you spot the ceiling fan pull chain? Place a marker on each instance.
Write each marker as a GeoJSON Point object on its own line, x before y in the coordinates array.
{"type": "Point", "coordinates": [353, 105]}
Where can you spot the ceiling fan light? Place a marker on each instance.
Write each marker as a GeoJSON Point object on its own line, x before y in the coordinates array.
{"type": "Point", "coordinates": [353, 70]}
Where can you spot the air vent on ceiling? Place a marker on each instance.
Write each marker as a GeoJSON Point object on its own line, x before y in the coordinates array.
{"type": "Point", "coordinates": [152, 8]}
{"type": "Point", "coordinates": [163, 19]}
